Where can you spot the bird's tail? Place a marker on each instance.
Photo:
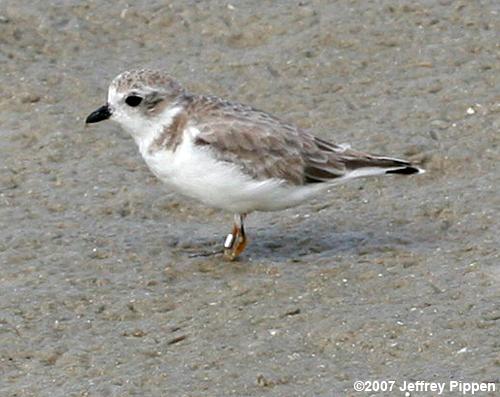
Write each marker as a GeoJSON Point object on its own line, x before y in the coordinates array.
{"type": "Point", "coordinates": [343, 163]}
{"type": "Point", "coordinates": [371, 165]}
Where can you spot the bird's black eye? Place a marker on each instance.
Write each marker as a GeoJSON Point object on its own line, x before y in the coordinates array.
{"type": "Point", "coordinates": [133, 100]}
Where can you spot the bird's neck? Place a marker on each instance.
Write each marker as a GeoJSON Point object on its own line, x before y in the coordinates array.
{"type": "Point", "coordinates": [148, 132]}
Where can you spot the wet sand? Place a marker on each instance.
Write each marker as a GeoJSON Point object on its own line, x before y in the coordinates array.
{"type": "Point", "coordinates": [391, 278]}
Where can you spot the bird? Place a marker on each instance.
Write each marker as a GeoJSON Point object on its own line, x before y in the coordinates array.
{"type": "Point", "coordinates": [228, 155]}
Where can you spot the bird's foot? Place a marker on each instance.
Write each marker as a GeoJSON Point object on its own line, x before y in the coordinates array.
{"type": "Point", "coordinates": [235, 244]}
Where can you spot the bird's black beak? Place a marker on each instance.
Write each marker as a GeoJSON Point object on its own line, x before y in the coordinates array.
{"type": "Point", "coordinates": [103, 113]}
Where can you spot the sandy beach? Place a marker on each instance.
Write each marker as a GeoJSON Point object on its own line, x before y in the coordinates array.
{"type": "Point", "coordinates": [394, 278]}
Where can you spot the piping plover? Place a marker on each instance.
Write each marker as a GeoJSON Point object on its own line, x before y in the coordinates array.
{"type": "Point", "coordinates": [228, 155]}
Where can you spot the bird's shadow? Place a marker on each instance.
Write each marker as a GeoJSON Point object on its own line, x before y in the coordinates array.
{"type": "Point", "coordinates": [303, 242]}
{"type": "Point", "coordinates": [309, 238]}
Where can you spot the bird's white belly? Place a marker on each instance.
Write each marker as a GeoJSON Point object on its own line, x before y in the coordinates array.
{"type": "Point", "coordinates": [193, 171]}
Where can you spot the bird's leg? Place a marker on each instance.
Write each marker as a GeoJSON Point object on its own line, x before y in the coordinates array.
{"type": "Point", "coordinates": [236, 241]}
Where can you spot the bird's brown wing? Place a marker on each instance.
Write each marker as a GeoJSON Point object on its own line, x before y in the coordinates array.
{"type": "Point", "coordinates": [261, 145]}
{"type": "Point", "coordinates": [265, 147]}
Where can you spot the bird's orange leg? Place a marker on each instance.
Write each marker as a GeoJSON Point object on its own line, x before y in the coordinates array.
{"type": "Point", "coordinates": [236, 241]}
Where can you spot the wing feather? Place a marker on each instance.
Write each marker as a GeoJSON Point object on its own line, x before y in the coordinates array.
{"type": "Point", "coordinates": [264, 147]}
{"type": "Point", "coordinates": [260, 145]}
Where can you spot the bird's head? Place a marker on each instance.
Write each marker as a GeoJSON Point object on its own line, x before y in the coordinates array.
{"type": "Point", "coordinates": [137, 99]}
